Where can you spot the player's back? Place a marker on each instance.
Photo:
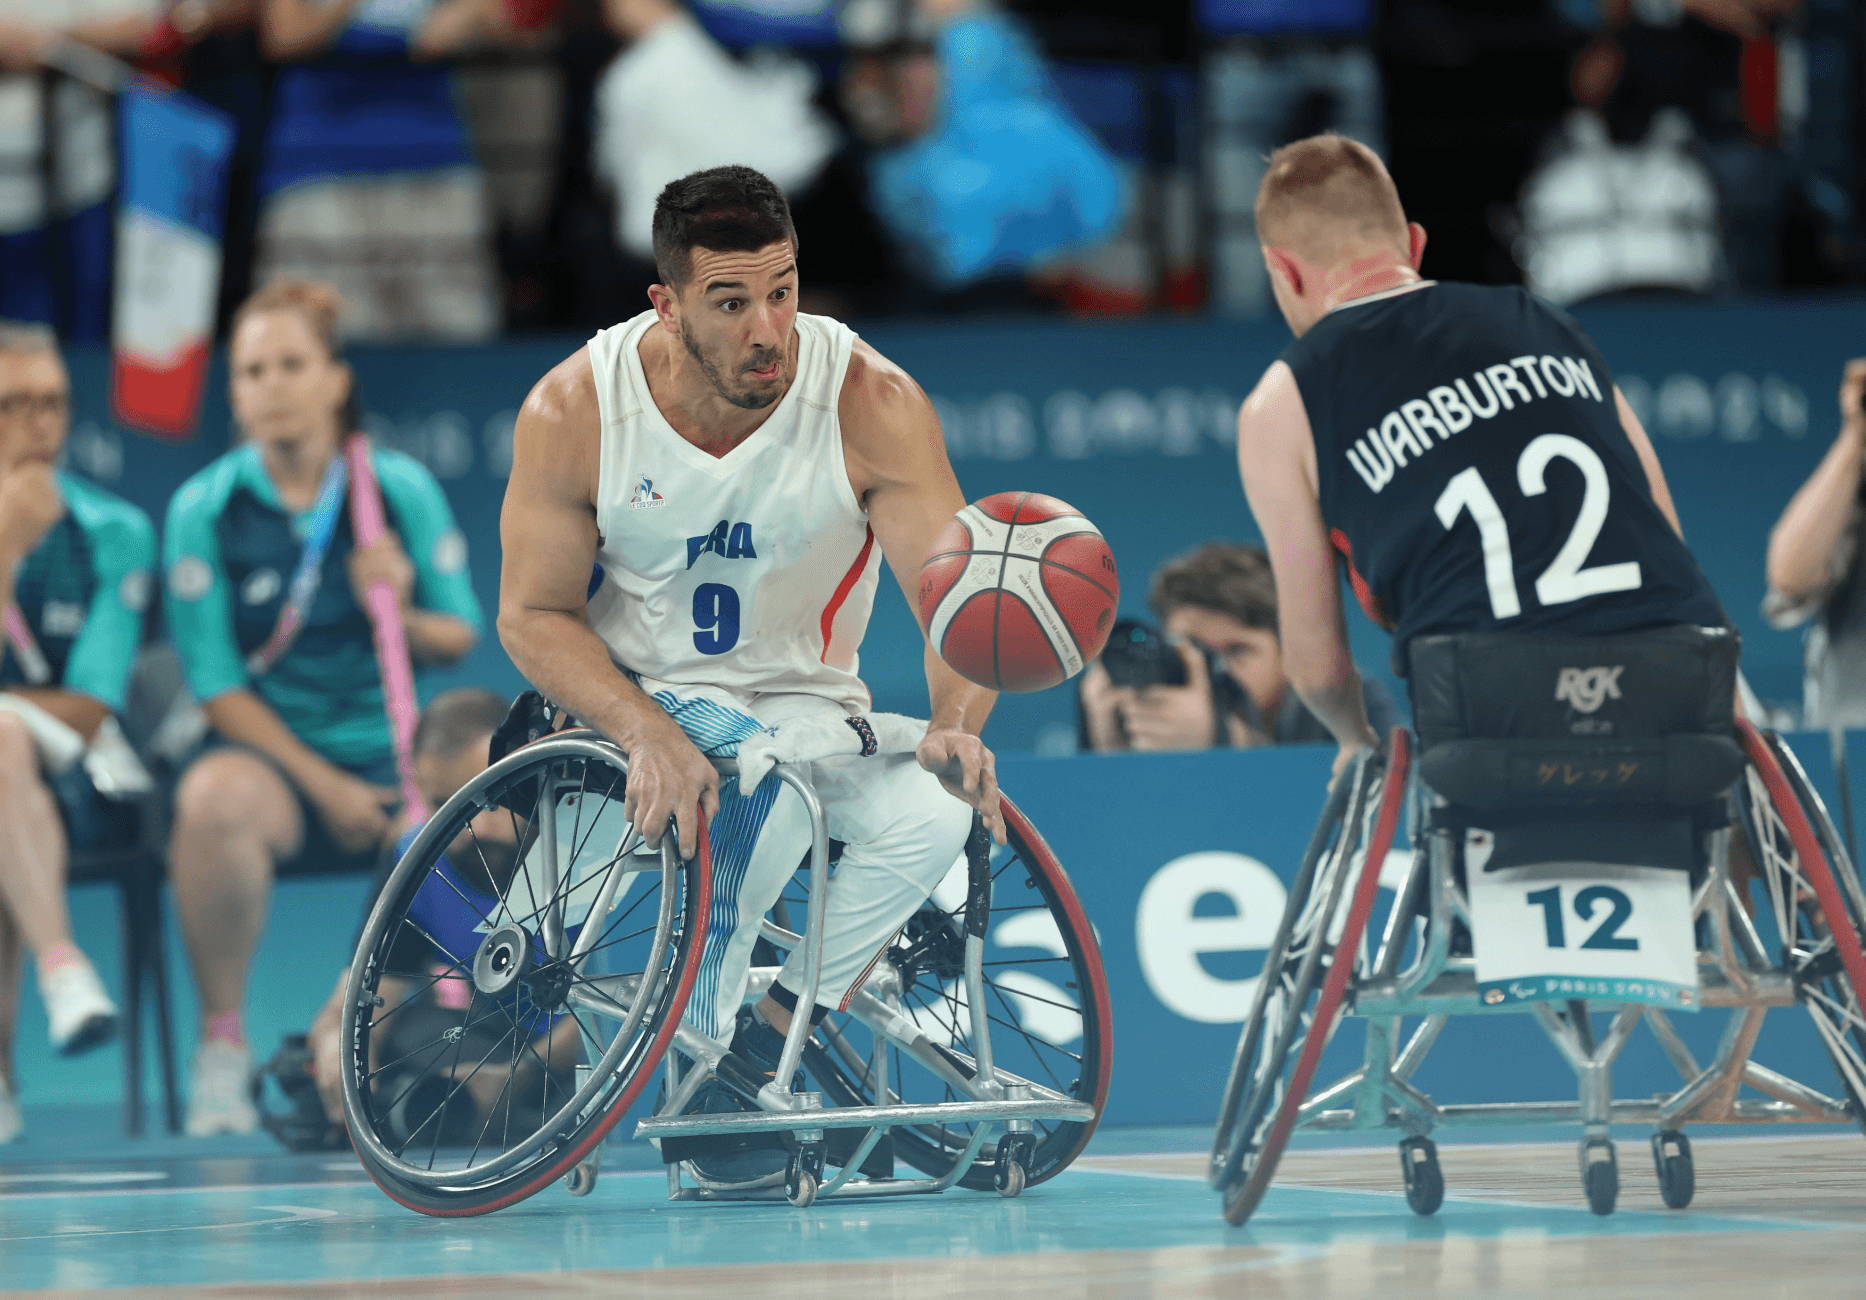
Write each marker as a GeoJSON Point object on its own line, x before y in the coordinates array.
{"type": "Point", "coordinates": [1473, 469]}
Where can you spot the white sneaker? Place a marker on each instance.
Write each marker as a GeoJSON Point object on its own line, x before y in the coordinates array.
{"type": "Point", "coordinates": [12, 1124]}
{"type": "Point", "coordinates": [82, 1015]}
{"type": "Point", "coordinates": [220, 1097]}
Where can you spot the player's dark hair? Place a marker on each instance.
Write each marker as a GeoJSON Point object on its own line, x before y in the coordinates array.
{"type": "Point", "coordinates": [455, 719]}
{"type": "Point", "coordinates": [727, 209]}
{"type": "Point", "coordinates": [1225, 577]}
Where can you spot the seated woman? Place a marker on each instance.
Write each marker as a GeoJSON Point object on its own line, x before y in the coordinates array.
{"type": "Point", "coordinates": [74, 580]}
{"type": "Point", "coordinates": [264, 602]}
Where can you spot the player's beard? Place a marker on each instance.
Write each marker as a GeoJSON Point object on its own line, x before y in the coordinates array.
{"type": "Point", "coordinates": [752, 401]}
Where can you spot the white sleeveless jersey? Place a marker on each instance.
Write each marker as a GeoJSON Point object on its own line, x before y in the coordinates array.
{"type": "Point", "coordinates": [754, 571]}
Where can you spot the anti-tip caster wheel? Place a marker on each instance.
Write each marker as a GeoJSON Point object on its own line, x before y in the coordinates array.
{"type": "Point", "coordinates": [1425, 1181]}
{"type": "Point", "coordinates": [804, 1175]}
{"type": "Point", "coordinates": [1600, 1175]}
{"type": "Point", "coordinates": [1671, 1155]}
{"type": "Point", "coordinates": [581, 1180]}
{"type": "Point", "coordinates": [1013, 1165]}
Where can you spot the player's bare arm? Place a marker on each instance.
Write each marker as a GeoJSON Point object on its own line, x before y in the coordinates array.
{"type": "Point", "coordinates": [1276, 458]}
{"type": "Point", "coordinates": [896, 457]}
{"type": "Point", "coordinates": [1648, 460]}
{"type": "Point", "coordinates": [548, 530]}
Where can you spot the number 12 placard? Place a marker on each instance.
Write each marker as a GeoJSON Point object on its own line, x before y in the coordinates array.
{"type": "Point", "coordinates": [1604, 933]}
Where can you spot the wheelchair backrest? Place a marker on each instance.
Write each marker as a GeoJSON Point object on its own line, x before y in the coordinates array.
{"type": "Point", "coordinates": [1512, 724]}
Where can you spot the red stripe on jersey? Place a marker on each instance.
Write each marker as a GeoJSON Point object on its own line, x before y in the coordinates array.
{"type": "Point", "coordinates": [1370, 603]}
{"type": "Point", "coordinates": [843, 589]}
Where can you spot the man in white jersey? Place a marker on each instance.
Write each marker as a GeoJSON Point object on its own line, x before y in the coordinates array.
{"type": "Point", "coordinates": [733, 472]}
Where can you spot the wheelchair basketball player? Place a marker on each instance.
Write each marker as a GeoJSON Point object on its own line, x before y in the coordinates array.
{"type": "Point", "coordinates": [1463, 448]}
{"type": "Point", "coordinates": [699, 504]}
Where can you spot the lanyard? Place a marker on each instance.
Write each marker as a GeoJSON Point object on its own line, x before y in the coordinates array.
{"type": "Point", "coordinates": [309, 575]}
{"type": "Point", "coordinates": [32, 661]}
{"type": "Point", "coordinates": [368, 523]}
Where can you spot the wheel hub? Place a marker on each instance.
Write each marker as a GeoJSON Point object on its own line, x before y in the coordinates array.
{"type": "Point", "coordinates": [503, 959]}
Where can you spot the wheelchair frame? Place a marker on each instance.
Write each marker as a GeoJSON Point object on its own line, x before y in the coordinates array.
{"type": "Point", "coordinates": [991, 1095]}
{"type": "Point", "coordinates": [994, 1096]}
{"type": "Point", "coordinates": [1735, 973]}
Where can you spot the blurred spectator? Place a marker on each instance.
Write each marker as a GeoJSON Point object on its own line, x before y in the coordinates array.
{"type": "Point", "coordinates": [451, 747]}
{"type": "Point", "coordinates": [1719, 63]}
{"type": "Point", "coordinates": [368, 180]}
{"type": "Point", "coordinates": [1816, 570]}
{"type": "Point", "coordinates": [74, 581]}
{"type": "Point", "coordinates": [674, 102]}
{"type": "Point", "coordinates": [264, 604]}
{"type": "Point", "coordinates": [1217, 677]}
{"type": "Point", "coordinates": [1281, 70]}
{"type": "Point", "coordinates": [1600, 217]}
{"type": "Point", "coordinates": [55, 256]}
{"type": "Point", "coordinates": [980, 170]}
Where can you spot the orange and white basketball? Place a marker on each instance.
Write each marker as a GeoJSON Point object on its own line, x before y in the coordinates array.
{"type": "Point", "coordinates": [1019, 592]}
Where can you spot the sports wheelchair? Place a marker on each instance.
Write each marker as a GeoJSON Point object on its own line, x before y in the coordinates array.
{"type": "Point", "coordinates": [1628, 771]}
{"type": "Point", "coordinates": [983, 1071]}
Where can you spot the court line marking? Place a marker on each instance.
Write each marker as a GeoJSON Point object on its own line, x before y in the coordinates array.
{"type": "Point", "coordinates": [1445, 1142]}
{"type": "Point", "coordinates": [293, 1214]}
{"type": "Point", "coordinates": [89, 1180]}
{"type": "Point", "coordinates": [1757, 1220]}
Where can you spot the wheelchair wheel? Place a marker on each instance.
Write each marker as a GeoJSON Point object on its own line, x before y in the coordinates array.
{"type": "Point", "coordinates": [1047, 1001]}
{"type": "Point", "coordinates": [1816, 898]}
{"type": "Point", "coordinates": [526, 933]}
{"type": "Point", "coordinates": [1305, 978]}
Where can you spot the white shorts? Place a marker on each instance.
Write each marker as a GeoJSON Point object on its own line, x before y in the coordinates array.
{"type": "Point", "coordinates": [900, 829]}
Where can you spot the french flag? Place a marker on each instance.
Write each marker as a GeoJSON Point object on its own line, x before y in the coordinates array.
{"type": "Point", "coordinates": [169, 220]}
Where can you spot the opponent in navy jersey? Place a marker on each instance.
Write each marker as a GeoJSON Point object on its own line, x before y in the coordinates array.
{"type": "Point", "coordinates": [1464, 448]}
{"type": "Point", "coordinates": [1473, 469]}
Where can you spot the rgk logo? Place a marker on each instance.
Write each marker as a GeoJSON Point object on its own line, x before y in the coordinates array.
{"type": "Point", "coordinates": [1589, 688]}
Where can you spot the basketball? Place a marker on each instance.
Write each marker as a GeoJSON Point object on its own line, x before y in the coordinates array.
{"type": "Point", "coordinates": [1019, 592]}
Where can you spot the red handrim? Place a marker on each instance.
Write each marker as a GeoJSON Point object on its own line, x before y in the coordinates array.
{"type": "Point", "coordinates": [1814, 862]}
{"type": "Point", "coordinates": [1015, 820]}
{"type": "Point", "coordinates": [699, 908]}
{"type": "Point", "coordinates": [1335, 984]}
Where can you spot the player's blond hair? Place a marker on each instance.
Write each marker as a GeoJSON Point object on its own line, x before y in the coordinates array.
{"type": "Point", "coordinates": [1326, 197]}
{"type": "Point", "coordinates": [318, 305]}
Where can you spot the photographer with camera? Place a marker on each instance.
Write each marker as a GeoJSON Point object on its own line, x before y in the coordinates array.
{"type": "Point", "coordinates": [1211, 675]}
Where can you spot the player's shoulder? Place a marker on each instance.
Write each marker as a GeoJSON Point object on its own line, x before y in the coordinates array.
{"type": "Point", "coordinates": [209, 488]}
{"type": "Point", "coordinates": [98, 510]}
{"type": "Point", "coordinates": [397, 469]}
{"type": "Point", "coordinates": [566, 395]}
{"type": "Point", "coordinates": [876, 387]}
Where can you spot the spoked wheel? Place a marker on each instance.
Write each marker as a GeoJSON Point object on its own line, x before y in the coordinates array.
{"type": "Point", "coordinates": [1046, 999]}
{"type": "Point", "coordinates": [1302, 987]}
{"type": "Point", "coordinates": [525, 933]}
{"type": "Point", "coordinates": [1816, 897]}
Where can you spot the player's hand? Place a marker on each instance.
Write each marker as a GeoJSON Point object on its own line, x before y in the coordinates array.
{"type": "Point", "coordinates": [668, 777]}
{"type": "Point", "coordinates": [22, 45]}
{"type": "Point", "coordinates": [355, 812]}
{"type": "Point", "coordinates": [968, 771]}
{"type": "Point", "coordinates": [1852, 391]}
{"type": "Point", "coordinates": [30, 503]}
{"type": "Point", "coordinates": [1174, 717]}
{"type": "Point", "coordinates": [383, 560]}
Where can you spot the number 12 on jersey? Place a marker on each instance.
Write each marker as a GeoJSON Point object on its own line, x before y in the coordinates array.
{"type": "Point", "coordinates": [1565, 579]}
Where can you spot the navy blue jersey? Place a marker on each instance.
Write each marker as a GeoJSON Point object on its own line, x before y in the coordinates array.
{"type": "Point", "coordinates": [1474, 472]}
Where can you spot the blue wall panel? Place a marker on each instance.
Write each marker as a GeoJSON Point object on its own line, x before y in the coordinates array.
{"type": "Point", "coordinates": [1132, 423]}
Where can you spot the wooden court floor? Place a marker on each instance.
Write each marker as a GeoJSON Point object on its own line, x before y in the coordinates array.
{"type": "Point", "coordinates": [1775, 1215]}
